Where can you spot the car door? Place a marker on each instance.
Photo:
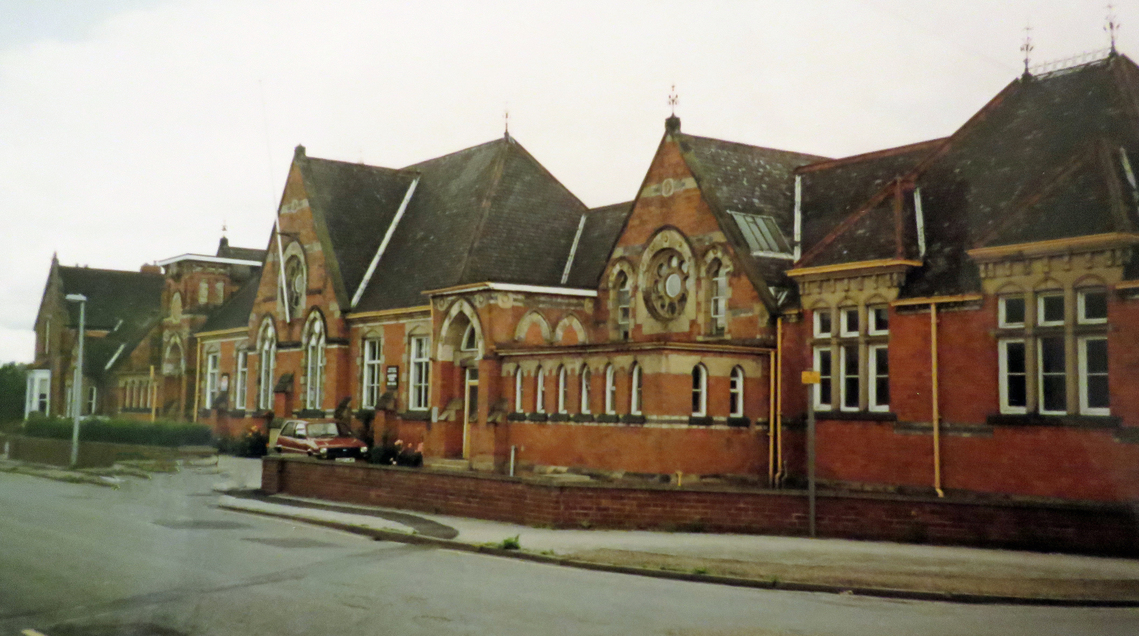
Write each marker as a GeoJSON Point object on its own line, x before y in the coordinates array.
{"type": "Point", "coordinates": [285, 441]}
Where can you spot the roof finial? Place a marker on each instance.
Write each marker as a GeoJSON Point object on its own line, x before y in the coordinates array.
{"type": "Point", "coordinates": [673, 100]}
{"type": "Point", "coordinates": [223, 228]}
{"type": "Point", "coordinates": [506, 120]}
{"type": "Point", "coordinates": [1112, 27]}
{"type": "Point", "coordinates": [1027, 47]}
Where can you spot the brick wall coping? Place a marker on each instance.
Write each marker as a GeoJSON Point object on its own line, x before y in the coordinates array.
{"type": "Point", "coordinates": [542, 482]}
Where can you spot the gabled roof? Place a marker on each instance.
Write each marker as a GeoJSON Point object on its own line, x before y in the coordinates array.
{"type": "Point", "coordinates": [234, 312]}
{"type": "Point", "coordinates": [225, 250]}
{"type": "Point", "coordinates": [735, 177]}
{"type": "Point", "coordinates": [112, 295]}
{"type": "Point", "coordinates": [487, 213]}
{"type": "Point", "coordinates": [598, 236]}
{"type": "Point", "coordinates": [1008, 159]}
{"type": "Point", "coordinates": [102, 355]}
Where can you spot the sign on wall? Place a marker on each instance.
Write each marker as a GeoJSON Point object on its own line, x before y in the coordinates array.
{"type": "Point", "coordinates": [392, 377]}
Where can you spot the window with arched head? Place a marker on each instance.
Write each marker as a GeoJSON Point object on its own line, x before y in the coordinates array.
{"type": "Point", "coordinates": [518, 407]}
{"type": "Point", "coordinates": [562, 390]}
{"type": "Point", "coordinates": [636, 390]}
{"type": "Point", "coordinates": [314, 344]}
{"type": "Point", "coordinates": [717, 297]}
{"type": "Point", "coordinates": [540, 391]}
{"type": "Point", "coordinates": [295, 284]}
{"type": "Point", "coordinates": [736, 393]}
{"type": "Point", "coordinates": [624, 305]}
{"type": "Point", "coordinates": [610, 390]}
{"type": "Point", "coordinates": [267, 354]}
{"type": "Point", "coordinates": [699, 391]}
{"type": "Point", "coordinates": [586, 378]}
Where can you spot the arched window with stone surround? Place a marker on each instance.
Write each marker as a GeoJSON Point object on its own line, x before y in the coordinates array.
{"type": "Point", "coordinates": [518, 407]}
{"type": "Point", "coordinates": [699, 391]}
{"type": "Point", "coordinates": [636, 390]}
{"type": "Point", "coordinates": [314, 346]}
{"type": "Point", "coordinates": [610, 390]}
{"type": "Point", "coordinates": [540, 391]}
{"type": "Point", "coordinates": [717, 297]}
{"type": "Point", "coordinates": [267, 361]}
{"type": "Point", "coordinates": [624, 306]}
{"type": "Point", "coordinates": [562, 390]}
{"type": "Point", "coordinates": [586, 378]}
{"type": "Point", "coordinates": [736, 393]}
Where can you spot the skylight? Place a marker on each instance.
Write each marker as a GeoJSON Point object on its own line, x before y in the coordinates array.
{"type": "Point", "coordinates": [763, 235]}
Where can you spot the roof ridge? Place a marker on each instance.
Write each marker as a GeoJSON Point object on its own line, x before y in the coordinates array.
{"type": "Point", "coordinates": [355, 164]}
{"type": "Point", "coordinates": [752, 146]}
{"type": "Point", "coordinates": [83, 268]}
{"type": "Point", "coordinates": [868, 156]}
{"type": "Point", "coordinates": [418, 164]}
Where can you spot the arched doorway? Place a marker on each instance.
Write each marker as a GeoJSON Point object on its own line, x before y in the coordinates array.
{"type": "Point", "coordinates": [460, 350]}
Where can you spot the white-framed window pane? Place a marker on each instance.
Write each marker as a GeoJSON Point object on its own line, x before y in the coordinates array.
{"type": "Point", "coordinates": [850, 321]}
{"type": "Point", "coordinates": [586, 378]}
{"type": "Point", "coordinates": [518, 390]}
{"type": "Point", "coordinates": [635, 391]}
{"type": "Point", "coordinates": [241, 383]}
{"type": "Point", "coordinates": [1011, 311]}
{"type": "Point", "coordinates": [1095, 396]}
{"type": "Point", "coordinates": [1053, 378]}
{"type": "Point", "coordinates": [824, 365]}
{"type": "Point", "coordinates": [879, 320]}
{"type": "Point", "coordinates": [540, 391]}
{"type": "Point", "coordinates": [822, 322]}
{"type": "Point", "coordinates": [92, 400]}
{"type": "Point", "coordinates": [1093, 306]}
{"type": "Point", "coordinates": [850, 386]}
{"type": "Point", "coordinates": [1050, 308]}
{"type": "Point", "coordinates": [211, 379]}
{"type": "Point", "coordinates": [699, 391]}
{"type": "Point", "coordinates": [562, 390]}
{"type": "Point", "coordinates": [736, 393]}
{"type": "Point", "coordinates": [624, 306]}
{"type": "Point", "coordinates": [420, 373]}
{"type": "Point", "coordinates": [1014, 376]}
{"type": "Point", "coordinates": [373, 372]}
{"type": "Point", "coordinates": [610, 390]}
{"type": "Point", "coordinates": [879, 367]}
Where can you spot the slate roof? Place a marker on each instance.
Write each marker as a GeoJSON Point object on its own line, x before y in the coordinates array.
{"type": "Point", "coordinates": [1040, 161]}
{"type": "Point", "coordinates": [225, 250]}
{"type": "Point", "coordinates": [117, 346]}
{"type": "Point", "coordinates": [735, 177]}
{"type": "Point", "coordinates": [234, 312]}
{"type": "Point", "coordinates": [352, 204]}
{"type": "Point", "coordinates": [598, 236]}
{"type": "Point", "coordinates": [112, 295]}
{"type": "Point", "coordinates": [487, 213]}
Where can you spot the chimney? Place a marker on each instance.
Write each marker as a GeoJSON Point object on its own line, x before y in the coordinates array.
{"type": "Point", "coordinates": [150, 268]}
{"type": "Point", "coordinates": [672, 124]}
{"type": "Point", "coordinates": [299, 152]}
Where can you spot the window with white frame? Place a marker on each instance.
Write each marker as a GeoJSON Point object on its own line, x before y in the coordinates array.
{"type": "Point", "coordinates": [1095, 398]}
{"type": "Point", "coordinates": [241, 383]}
{"type": "Point", "coordinates": [610, 390]}
{"type": "Point", "coordinates": [848, 321]}
{"type": "Point", "coordinates": [203, 292]}
{"type": "Point", "coordinates": [540, 391]}
{"type": "Point", "coordinates": [267, 354]}
{"type": "Point", "coordinates": [879, 377]}
{"type": "Point", "coordinates": [736, 393]}
{"type": "Point", "coordinates": [849, 384]}
{"type": "Point", "coordinates": [1053, 384]}
{"type": "Point", "coordinates": [68, 400]}
{"type": "Point", "coordinates": [1050, 309]}
{"type": "Point", "coordinates": [824, 364]}
{"type": "Point", "coordinates": [823, 326]}
{"type": "Point", "coordinates": [420, 374]}
{"type": "Point", "coordinates": [1091, 306]}
{"type": "Point", "coordinates": [636, 390]}
{"type": "Point", "coordinates": [219, 292]}
{"type": "Point", "coordinates": [92, 400]}
{"type": "Point", "coordinates": [518, 407]}
{"type": "Point", "coordinates": [1011, 311]}
{"type": "Point", "coordinates": [879, 319]}
{"type": "Point", "coordinates": [211, 388]}
{"type": "Point", "coordinates": [373, 372]}
{"type": "Point", "coordinates": [586, 379]}
{"type": "Point", "coordinates": [718, 297]}
{"type": "Point", "coordinates": [1014, 376]}
{"type": "Point", "coordinates": [314, 363]}
{"type": "Point", "coordinates": [624, 306]}
{"type": "Point", "coordinates": [699, 391]}
{"type": "Point", "coordinates": [562, 388]}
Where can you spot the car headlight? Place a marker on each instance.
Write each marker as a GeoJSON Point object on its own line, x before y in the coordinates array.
{"type": "Point", "coordinates": [324, 451]}
{"type": "Point", "coordinates": [363, 449]}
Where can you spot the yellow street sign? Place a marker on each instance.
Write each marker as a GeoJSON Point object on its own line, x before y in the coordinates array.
{"type": "Point", "coordinates": [812, 377]}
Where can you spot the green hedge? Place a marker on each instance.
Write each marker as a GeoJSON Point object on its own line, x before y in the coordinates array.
{"type": "Point", "coordinates": [123, 431]}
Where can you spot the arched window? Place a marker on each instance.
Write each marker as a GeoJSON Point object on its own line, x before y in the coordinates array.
{"type": "Point", "coordinates": [610, 390]}
{"type": "Point", "coordinates": [470, 339]}
{"type": "Point", "coordinates": [699, 391]}
{"type": "Point", "coordinates": [736, 393]}
{"type": "Point", "coordinates": [562, 390]}
{"type": "Point", "coordinates": [585, 380]}
{"type": "Point", "coordinates": [624, 306]}
{"type": "Point", "coordinates": [267, 353]}
{"type": "Point", "coordinates": [518, 390]}
{"type": "Point", "coordinates": [295, 284]}
{"type": "Point", "coordinates": [635, 390]}
{"type": "Point", "coordinates": [540, 391]}
{"type": "Point", "coordinates": [717, 297]}
{"type": "Point", "coordinates": [314, 362]}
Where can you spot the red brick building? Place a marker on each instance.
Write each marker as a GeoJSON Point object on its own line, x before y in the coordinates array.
{"type": "Point", "coordinates": [970, 303]}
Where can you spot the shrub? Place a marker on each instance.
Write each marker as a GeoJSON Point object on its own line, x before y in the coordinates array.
{"type": "Point", "coordinates": [253, 443]}
{"type": "Point", "coordinates": [510, 543]}
{"type": "Point", "coordinates": [159, 433]}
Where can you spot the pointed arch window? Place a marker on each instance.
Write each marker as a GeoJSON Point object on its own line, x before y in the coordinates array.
{"type": "Point", "coordinates": [470, 339]}
{"type": "Point", "coordinates": [736, 393]}
{"type": "Point", "coordinates": [314, 363]}
{"type": "Point", "coordinates": [540, 391]}
{"type": "Point", "coordinates": [610, 390]}
{"type": "Point", "coordinates": [267, 350]}
{"type": "Point", "coordinates": [586, 378]}
{"type": "Point", "coordinates": [562, 388]}
{"type": "Point", "coordinates": [636, 390]}
{"type": "Point", "coordinates": [518, 390]}
{"type": "Point", "coordinates": [717, 298]}
{"type": "Point", "coordinates": [699, 391]}
{"type": "Point", "coordinates": [624, 306]}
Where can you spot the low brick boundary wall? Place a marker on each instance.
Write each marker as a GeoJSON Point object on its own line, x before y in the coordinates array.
{"type": "Point", "coordinates": [1091, 528]}
{"type": "Point", "coordinates": [57, 452]}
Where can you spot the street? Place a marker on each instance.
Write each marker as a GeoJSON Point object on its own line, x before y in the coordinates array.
{"type": "Point", "coordinates": [157, 558]}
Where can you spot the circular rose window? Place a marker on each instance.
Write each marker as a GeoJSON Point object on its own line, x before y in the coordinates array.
{"type": "Point", "coordinates": [667, 290]}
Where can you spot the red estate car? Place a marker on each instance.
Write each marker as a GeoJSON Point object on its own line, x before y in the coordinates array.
{"type": "Point", "coordinates": [325, 440]}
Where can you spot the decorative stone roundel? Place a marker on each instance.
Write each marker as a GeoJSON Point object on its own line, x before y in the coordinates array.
{"type": "Point", "coordinates": [295, 283]}
{"type": "Point", "coordinates": [667, 289]}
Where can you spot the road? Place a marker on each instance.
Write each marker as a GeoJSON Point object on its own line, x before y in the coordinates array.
{"type": "Point", "coordinates": [157, 558]}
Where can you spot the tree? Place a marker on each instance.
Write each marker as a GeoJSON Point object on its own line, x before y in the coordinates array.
{"type": "Point", "coordinates": [13, 383]}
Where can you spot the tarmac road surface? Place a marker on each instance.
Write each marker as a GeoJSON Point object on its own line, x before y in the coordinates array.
{"type": "Point", "coordinates": [157, 558]}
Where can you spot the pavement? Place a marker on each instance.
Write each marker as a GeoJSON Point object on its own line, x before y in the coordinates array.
{"type": "Point", "coordinates": [920, 572]}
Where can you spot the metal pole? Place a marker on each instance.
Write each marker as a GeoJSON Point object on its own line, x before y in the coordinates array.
{"type": "Point", "coordinates": [77, 397]}
{"type": "Point", "coordinates": [811, 455]}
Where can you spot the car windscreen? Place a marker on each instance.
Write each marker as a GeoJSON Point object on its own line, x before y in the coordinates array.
{"type": "Point", "coordinates": [322, 429]}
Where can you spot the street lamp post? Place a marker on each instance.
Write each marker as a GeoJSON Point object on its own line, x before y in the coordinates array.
{"type": "Point", "coordinates": [77, 383]}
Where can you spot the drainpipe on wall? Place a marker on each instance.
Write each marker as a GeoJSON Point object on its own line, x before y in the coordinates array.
{"type": "Point", "coordinates": [150, 396]}
{"type": "Point", "coordinates": [779, 399]}
{"type": "Point", "coordinates": [197, 380]}
{"type": "Point", "coordinates": [771, 420]}
{"type": "Point", "coordinates": [936, 412]}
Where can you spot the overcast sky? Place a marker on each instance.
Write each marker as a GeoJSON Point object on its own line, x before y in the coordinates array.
{"type": "Point", "coordinates": [130, 130]}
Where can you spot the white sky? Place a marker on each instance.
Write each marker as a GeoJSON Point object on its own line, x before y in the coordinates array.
{"type": "Point", "coordinates": [131, 129]}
